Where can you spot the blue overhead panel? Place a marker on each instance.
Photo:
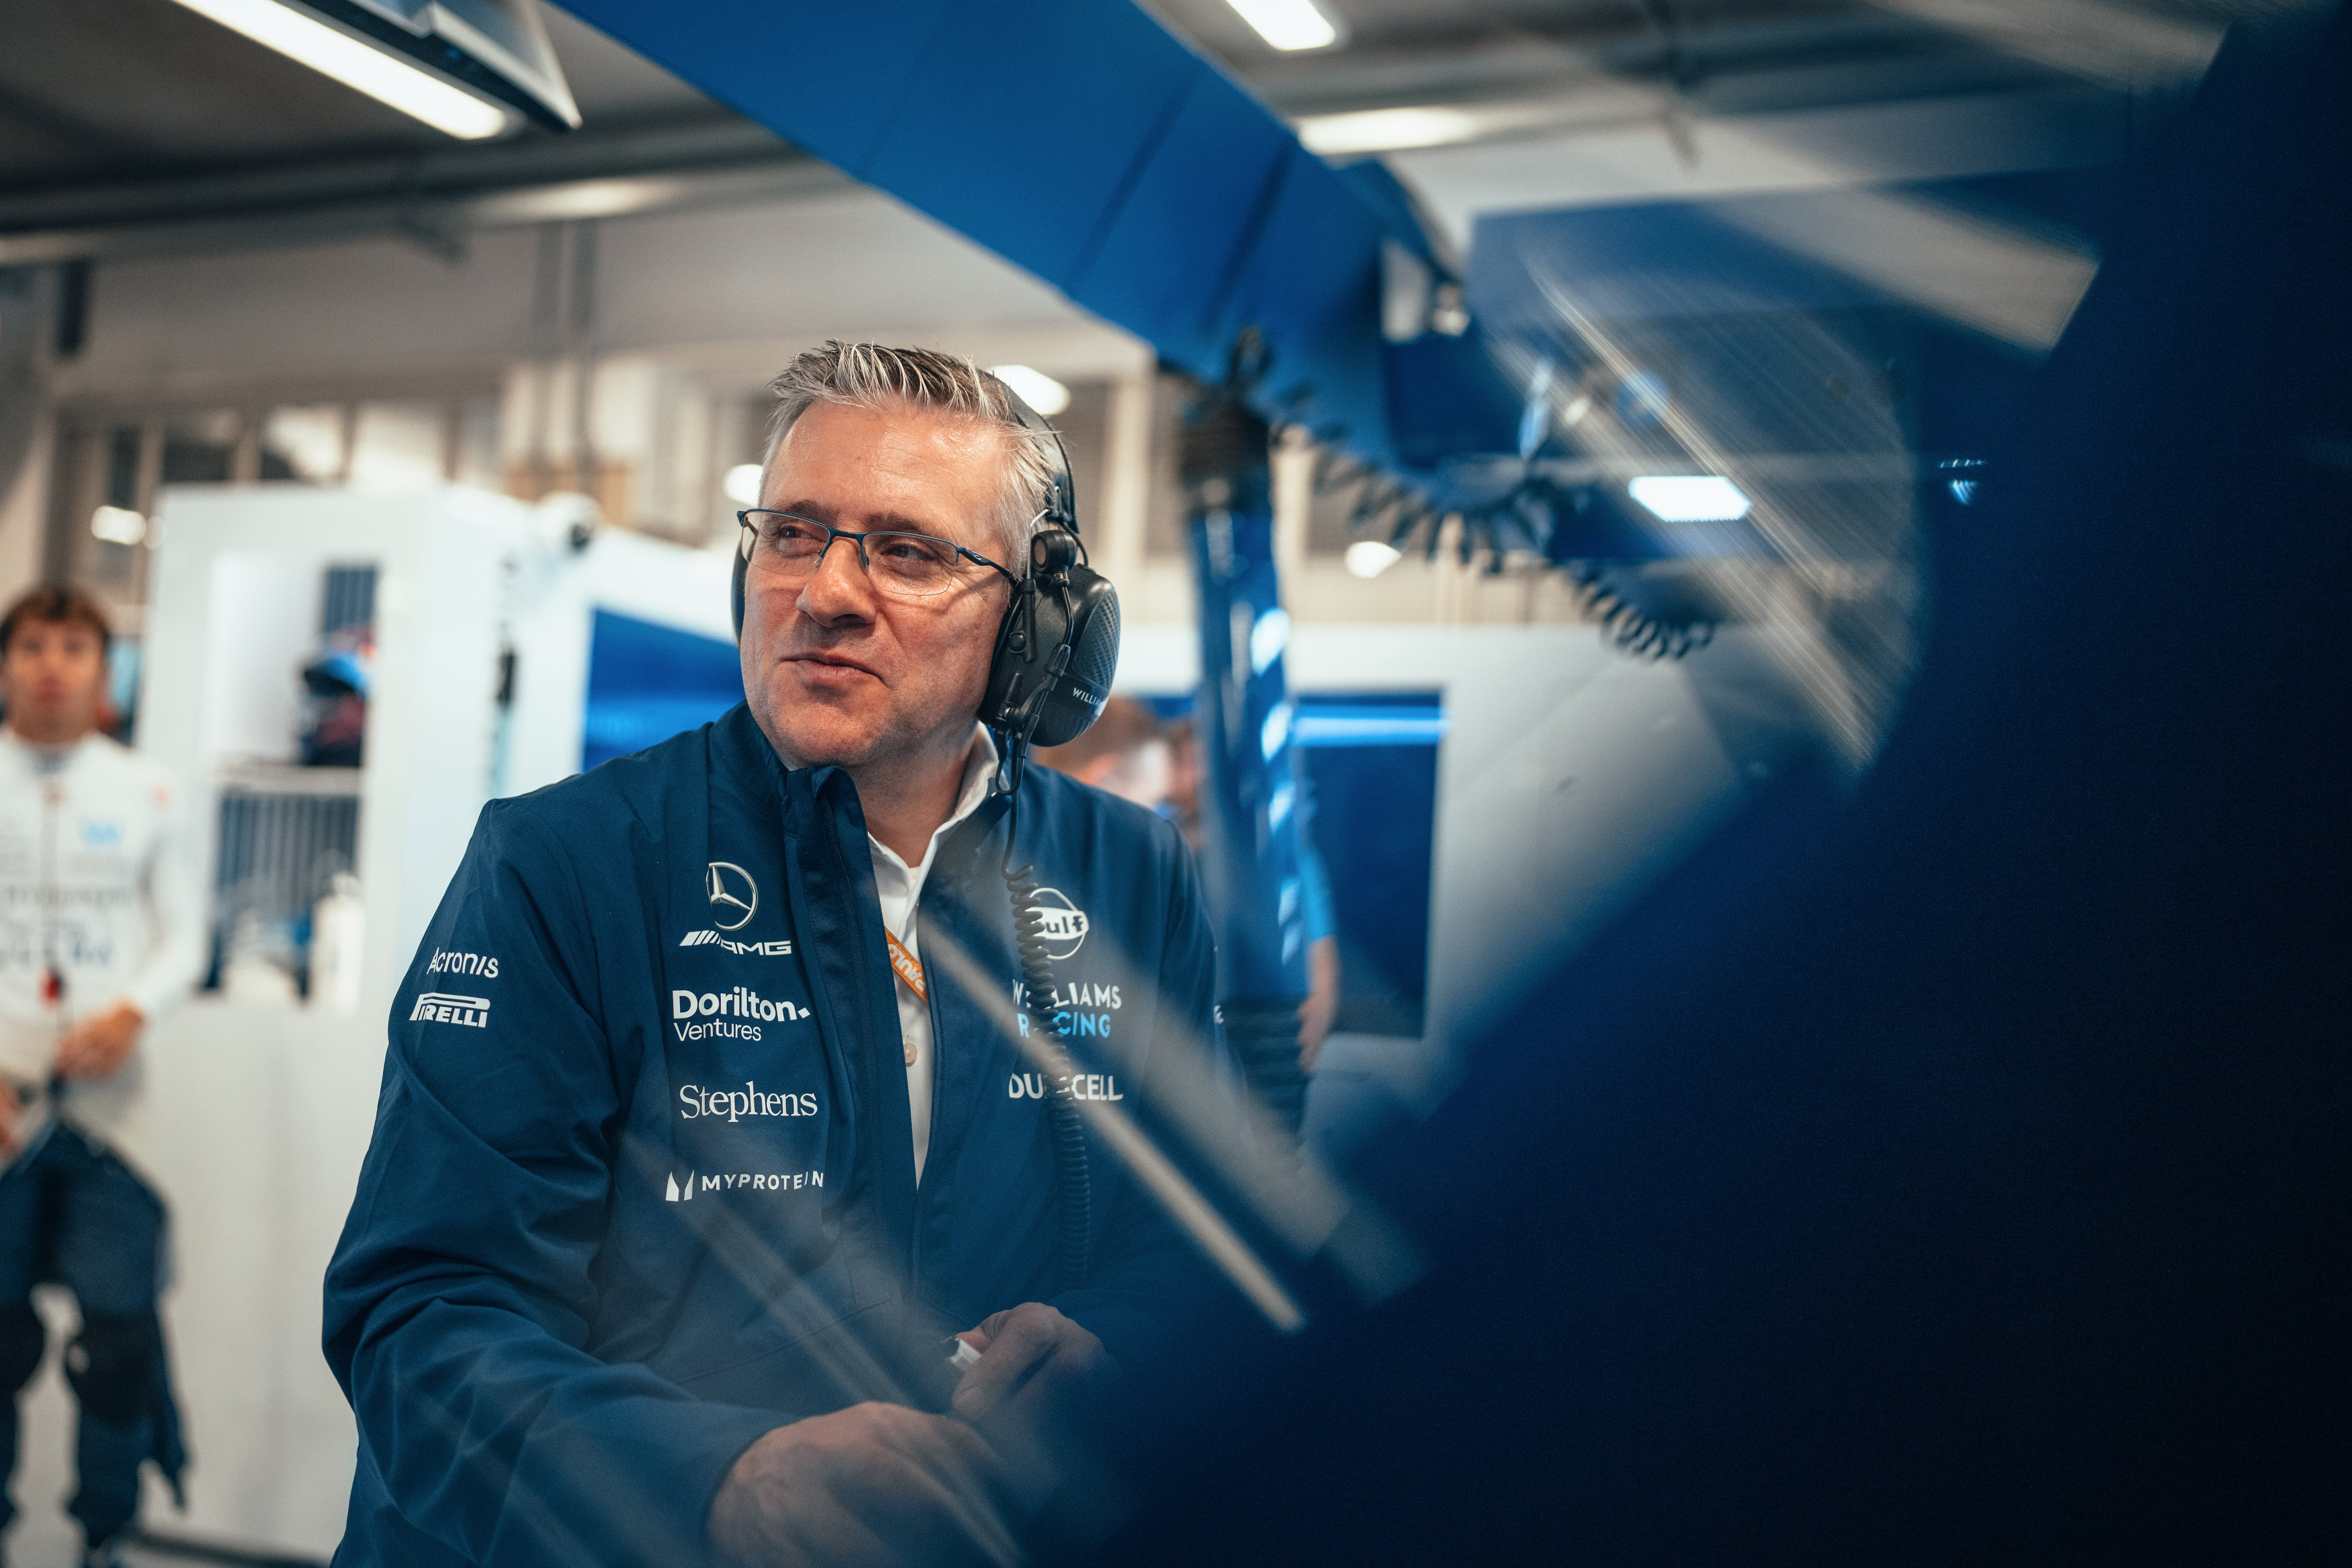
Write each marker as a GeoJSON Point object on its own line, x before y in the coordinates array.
{"type": "Point", "coordinates": [1077, 139]}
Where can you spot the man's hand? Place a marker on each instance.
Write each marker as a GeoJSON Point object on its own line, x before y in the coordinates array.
{"type": "Point", "coordinates": [98, 1046]}
{"type": "Point", "coordinates": [876, 1484]}
{"type": "Point", "coordinates": [1037, 1375]}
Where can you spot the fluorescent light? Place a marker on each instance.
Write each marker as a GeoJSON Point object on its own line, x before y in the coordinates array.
{"type": "Point", "coordinates": [582, 198]}
{"type": "Point", "coordinates": [1346, 725]}
{"type": "Point", "coordinates": [1289, 24]}
{"type": "Point", "coordinates": [384, 76]}
{"type": "Point", "coordinates": [1410, 125]}
{"type": "Point", "coordinates": [1388, 130]}
{"type": "Point", "coordinates": [1690, 498]}
{"type": "Point", "coordinates": [742, 484]}
{"type": "Point", "coordinates": [1038, 390]}
{"type": "Point", "coordinates": [1370, 557]}
{"type": "Point", "coordinates": [118, 525]}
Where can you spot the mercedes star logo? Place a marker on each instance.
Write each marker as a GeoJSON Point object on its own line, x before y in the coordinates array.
{"type": "Point", "coordinates": [732, 894]}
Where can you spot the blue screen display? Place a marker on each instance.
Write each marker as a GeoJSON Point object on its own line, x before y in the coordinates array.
{"type": "Point", "coordinates": [647, 682]}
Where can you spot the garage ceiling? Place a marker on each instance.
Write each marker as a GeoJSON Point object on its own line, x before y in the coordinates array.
{"type": "Point", "coordinates": [137, 127]}
{"type": "Point", "coordinates": [101, 90]}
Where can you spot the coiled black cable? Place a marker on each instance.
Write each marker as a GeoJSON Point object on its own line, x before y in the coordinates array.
{"type": "Point", "coordinates": [1622, 624]}
{"type": "Point", "coordinates": [1073, 1255]}
{"type": "Point", "coordinates": [1629, 629]}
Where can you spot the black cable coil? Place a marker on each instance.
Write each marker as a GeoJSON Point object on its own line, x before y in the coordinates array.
{"type": "Point", "coordinates": [1629, 629]}
{"type": "Point", "coordinates": [1069, 1131]}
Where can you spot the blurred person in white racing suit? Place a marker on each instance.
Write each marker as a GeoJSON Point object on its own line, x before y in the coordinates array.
{"type": "Point", "coordinates": [99, 934]}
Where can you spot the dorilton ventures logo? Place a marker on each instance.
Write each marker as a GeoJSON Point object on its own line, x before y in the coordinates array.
{"type": "Point", "coordinates": [735, 1001]}
{"type": "Point", "coordinates": [439, 1007]}
{"type": "Point", "coordinates": [732, 893]}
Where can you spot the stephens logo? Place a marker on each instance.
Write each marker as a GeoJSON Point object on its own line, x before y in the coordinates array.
{"type": "Point", "coordinates": [439, 1007]}
{"type": "Point", "coordinates": [733, 895]}
{"type": "Point", "coordinates": [1065, 924]}
{"type": "Point", "coordinates": [734, 1104]}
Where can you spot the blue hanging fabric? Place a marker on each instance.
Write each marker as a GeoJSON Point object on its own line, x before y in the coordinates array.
{"type": "Point", "coordinates": [1081, 141]}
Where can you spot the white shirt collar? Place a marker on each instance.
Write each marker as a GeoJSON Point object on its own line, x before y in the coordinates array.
{"type": "Point", "coordinates": [979, 767]}
{"type": "Point", "coordinates": [57, 759]}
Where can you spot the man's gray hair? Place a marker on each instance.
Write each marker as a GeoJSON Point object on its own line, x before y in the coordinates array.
{"type": "Point", "coordinates": [872, 375]}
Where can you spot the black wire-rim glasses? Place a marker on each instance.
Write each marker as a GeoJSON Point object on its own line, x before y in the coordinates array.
{"type": "Point", "coordinates": [900, 565]}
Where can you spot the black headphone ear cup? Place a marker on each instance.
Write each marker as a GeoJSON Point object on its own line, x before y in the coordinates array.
{"type": "Point", "coordinates": [1078, 693]}
{"type": "Point", "coordinates": [1094, 662]}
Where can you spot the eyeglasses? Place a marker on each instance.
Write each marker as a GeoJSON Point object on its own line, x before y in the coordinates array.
{"type": "Point", "coordinates": [787, 548]}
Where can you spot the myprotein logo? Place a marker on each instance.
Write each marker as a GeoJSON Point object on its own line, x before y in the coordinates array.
{"type": "Point", "coordinates": [712, 939]}
{"type": "Point", "coordinates": [676, 1191]}
{"type": "Point", "coordinates": [440, 1007]}
{"type": "Point", "coordinates": [734, 897]}
{"type": "Point", "coordinates": [1064, 928]}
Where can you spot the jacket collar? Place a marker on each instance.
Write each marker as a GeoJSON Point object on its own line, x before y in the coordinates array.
{"type": "Point", "coordinates": [742, 748]}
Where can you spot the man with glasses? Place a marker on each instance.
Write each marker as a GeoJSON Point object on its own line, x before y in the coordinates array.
{"type": "Point", "coordinates": [708, 1139]}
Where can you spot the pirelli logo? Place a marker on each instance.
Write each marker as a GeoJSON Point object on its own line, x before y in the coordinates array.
{"type": "Point", "coordinates": [440, 1007]}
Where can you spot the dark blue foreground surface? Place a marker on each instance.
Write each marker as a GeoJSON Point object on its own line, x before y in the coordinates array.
{"type": "Point", "coordinates": [1956, 1171]}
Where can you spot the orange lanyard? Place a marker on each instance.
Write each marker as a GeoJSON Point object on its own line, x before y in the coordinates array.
{"type": "Point", "coordinates": [909, 968]}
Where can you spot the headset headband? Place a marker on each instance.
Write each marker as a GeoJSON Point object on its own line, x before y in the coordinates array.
{"type": "Point", "coordinates": [1060, 493]}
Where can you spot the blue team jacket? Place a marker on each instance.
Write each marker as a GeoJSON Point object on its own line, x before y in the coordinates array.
{"type": "Point", "coordinates": [642, 1180]}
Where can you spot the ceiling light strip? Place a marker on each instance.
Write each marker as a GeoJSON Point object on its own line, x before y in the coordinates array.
{"type": "Point", "coordinates": [332, 52]}
{"type": "Point", "coordinates": [1289, 25]}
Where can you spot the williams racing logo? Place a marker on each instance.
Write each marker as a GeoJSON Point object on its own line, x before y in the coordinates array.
{"type": "Point", "coordinates": [1064, 928]}
{"type": "Point", "coordinates": [440, 1007]}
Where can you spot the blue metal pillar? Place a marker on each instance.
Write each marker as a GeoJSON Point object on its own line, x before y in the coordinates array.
{"type": "Point", "coordinates": [1249, 793]}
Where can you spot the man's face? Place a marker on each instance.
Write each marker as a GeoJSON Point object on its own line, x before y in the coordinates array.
{"type": "Point", "coordinates": [835, 674]}
{"type": "Point", "coordinates": [52, 677]}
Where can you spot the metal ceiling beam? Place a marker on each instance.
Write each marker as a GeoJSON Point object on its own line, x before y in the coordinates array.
{"type": "Point", "coordinates": [2097, 41]}
{"type": "Point", "coordinates": [67, 128]}
{"type": "Point", "coordinates": [1529, 63]}
{"type": "Point", "coordinates": [435, 198]}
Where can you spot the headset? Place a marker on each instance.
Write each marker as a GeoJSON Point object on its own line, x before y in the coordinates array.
{"type": "Point", "coordinates": [1057, 650]}
{"type": "Point", "coordinates": [1058, 647]}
